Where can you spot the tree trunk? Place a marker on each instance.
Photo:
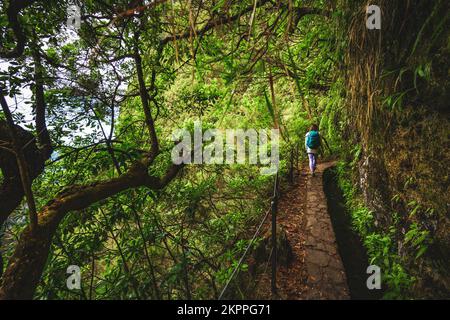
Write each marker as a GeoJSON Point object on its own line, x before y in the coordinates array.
{"type": "Point", "coordinates": [27, 263]}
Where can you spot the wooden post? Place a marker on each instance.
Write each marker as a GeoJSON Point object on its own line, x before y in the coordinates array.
{"type": "Point", "coordinates": [274, 237]}
{"type": "Point", "coordinates": [291, 167]}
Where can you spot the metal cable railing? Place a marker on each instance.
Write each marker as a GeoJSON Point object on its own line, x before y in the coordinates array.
{"type": "Point", "coordinates": [243, 256]}
{"type": "Point", "coordinates": [241, 260]}
{"type": "Point", "coordinates": [294, 157]}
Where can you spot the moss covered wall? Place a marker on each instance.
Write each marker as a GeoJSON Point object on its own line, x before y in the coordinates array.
{"type": "Point", "coordinates": [397, 120]}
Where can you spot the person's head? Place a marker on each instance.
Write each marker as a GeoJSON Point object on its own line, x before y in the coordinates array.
{"type": "Point", "coordinates": [314, 127]}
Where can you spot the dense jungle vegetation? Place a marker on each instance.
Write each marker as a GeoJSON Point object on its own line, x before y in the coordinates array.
{"type": "Point", "coordinates": [88, 115]}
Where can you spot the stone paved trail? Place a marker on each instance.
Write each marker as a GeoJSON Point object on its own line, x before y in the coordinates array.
{"type": "Point", "coordinates": [316, 271]}
{"type": "Point", "coordinates": [326, 275]}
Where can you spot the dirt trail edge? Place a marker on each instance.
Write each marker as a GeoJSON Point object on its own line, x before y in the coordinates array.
{"type": "Point", "coordinates": [316, 270]}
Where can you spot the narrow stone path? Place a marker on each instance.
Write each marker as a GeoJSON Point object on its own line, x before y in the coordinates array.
{"type": "Point", "coordinates": [316, 271]}
{"type": "Point", "coordinates": [326, 275]}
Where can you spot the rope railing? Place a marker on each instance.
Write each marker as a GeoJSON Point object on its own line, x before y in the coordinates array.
{"type": "Point", "coordinates": [273, 210]}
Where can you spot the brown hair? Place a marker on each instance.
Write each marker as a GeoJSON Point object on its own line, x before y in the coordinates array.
{"type": "Point", "coordinates": [314, 127]}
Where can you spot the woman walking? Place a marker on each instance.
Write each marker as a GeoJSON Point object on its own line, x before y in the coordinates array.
{"type": "Point", "coordinates": [312, 144]}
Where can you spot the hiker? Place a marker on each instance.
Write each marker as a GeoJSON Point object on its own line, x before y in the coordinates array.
{"type": "Point", "coordinates": [312, 144]}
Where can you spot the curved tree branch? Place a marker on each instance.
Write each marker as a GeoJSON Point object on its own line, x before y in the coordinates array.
{"type": "Point", "coordinates": [43, 136]}
{"type": "Point", "coordinates": [24, 172]}
{"type": "Point", "coordinates": [213, 23]}
{"type": "Point", "coordinates": [25, 267]}
{"type": "Point", "coordinates": [11, 190]}
{"type": "Point", "coordinates": [299, 12]}
{"type": "Point", "coordinates": [15, 6]}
